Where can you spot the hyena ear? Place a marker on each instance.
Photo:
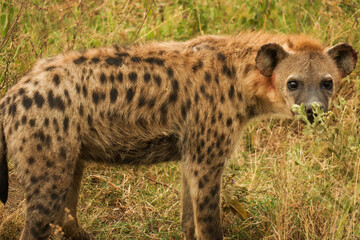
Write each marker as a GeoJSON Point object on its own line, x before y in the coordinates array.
{"type": "Point", "coordinates": [344, 56]}
{"type": "Point", "coordinates": [268, 56]}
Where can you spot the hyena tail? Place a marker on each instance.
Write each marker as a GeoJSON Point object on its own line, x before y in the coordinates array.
{"type": "Point", "coordinates": [4, 173]}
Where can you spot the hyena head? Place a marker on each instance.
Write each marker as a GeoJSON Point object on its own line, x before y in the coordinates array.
{"type": "Point", "coordinates": [306, 77]}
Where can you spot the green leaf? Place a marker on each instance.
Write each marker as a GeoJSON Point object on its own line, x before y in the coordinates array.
{"type": "Point", "coordinates": [3, 23]}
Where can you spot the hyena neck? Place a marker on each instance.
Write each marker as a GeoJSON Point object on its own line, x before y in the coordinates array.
{"type": "Point", "coordinates": [251, 87]}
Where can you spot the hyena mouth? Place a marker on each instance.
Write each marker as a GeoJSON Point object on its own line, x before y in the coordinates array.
{"type": "Point", "coordinates": [310, 114]}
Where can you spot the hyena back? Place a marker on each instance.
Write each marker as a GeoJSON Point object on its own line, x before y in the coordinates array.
{"type": "Point", "coordinates": [154, 103]}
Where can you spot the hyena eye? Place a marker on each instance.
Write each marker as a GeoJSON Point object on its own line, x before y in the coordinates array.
{"type": "Point", "coordinates": [327, 84]}
{"type": "Point", "coordinates": [292, 85]}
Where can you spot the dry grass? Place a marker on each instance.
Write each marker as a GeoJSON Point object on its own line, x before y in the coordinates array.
{"type": "Point", "coordinates": [295, 181]}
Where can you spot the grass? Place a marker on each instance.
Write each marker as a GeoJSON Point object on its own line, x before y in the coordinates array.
{"type": "Point", "coordinates": [294, 181]}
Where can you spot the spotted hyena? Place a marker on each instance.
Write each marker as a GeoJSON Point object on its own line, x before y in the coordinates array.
{"type": "Point", "coordinates": [153, 103]}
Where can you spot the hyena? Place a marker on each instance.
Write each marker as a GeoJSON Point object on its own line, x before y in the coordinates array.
{"type": "Point", "coordinates": [154, 103]}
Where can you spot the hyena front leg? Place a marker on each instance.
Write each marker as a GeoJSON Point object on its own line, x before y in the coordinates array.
{"type": "Point", "coordinates": [47, 177]}
{"type": "Point", "coordinates": [71, 227]}
{"type": "Point", "coordinates": [204, 183]}
{"type": "Point", "coordinates": [187, 217]}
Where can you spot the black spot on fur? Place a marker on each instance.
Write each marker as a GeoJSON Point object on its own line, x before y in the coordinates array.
{"type": "Point", "coordinates": [130, 94]}
{"type": "Point", "coordinates": [175, 85]}
{"type": "Point", "coordinates": [183, 112]}
{"type": "Point", "coordinates": [201, 184]}
{"type": "Point", "coordinates": [102, 96]}
{"type": "Point", "coordinates": [112, 78]}
{"type": "Point", "coordinates": [247, 69]}
{"type": "Point", "coordinates": [120, 77]}
{"type": "Point", "coordinates": [115, 61]}
{"type": "Point", "coordinates": [56, 79]}
{"type": "Point", "coordinates": [215, 190]}
{"type": "Point", "coordinates": [27, 102]}
{"type": "Point", "coordinates": [221, 57]}
{"type": "Point", "coordinates": [226, 71]}
{"type": "Point", "coordinates": [250, 111]}
{"type": "Point", "coordinates": [66, 124]}
{"type": "Point", "coordinates": [55, 102]}
{"type": "Point", "coordinates": [213, 119]}
{"type": "Point", "coordinates": [133, 76]}
{"type": "Point", "coordinates": [231, 92]}
{"type": "Point", "coordinates": [157, 61]}
{"type": "Point", "coordinates": [80, 60]}
{"type": "Point", "coordinates": [47, 141]}
{"type": "Point", "coordinates": [46, 122]}
{"type": "Point", "coordinates": [222, 99]}
{"type": "Point", "coordinates": [81, 110]}
{"type": "Point", "coordinates": [113, 95]}
{"type": "Point", "coordinates": [39, 147]}
{"type": "Point", "coordinates": [23, 120]}
{"type": "Point", "coordinates": [49, 68]}
{"type": "Point", "coordinates": [147, 77]}
{"type": "Point", "coordinates": [141, 101]}
{"type": "Point", "coordinates": [157, 80]}
{"type": "Point", "coordinates": [56, 125]}
{"type": "Point", "coordinates": [33, 179]}
{"type": "Point", "coordinates": [198, 66]}
{"type": "Point", "coordinates": [12, 109]}
{"type": "Point", "coordinates": [196, 97]}
{"type": "Point", "coordinates": [151, 103]}
{"type": "Point", "coordinates": [21, 91]}
{"type": "Point", "coordinates": [77, 88]}
{"type": "Point", "coordinates": [221, 153]}
{"type": "Point", "coordinates": [229, 122]}
{"type": "Point", "coordinates": [170, 72]}
{"type": "Point", "coordinates": [50, 164]}
{"type": "Point", "coordinates": [217, 78]}
{"type": "Point", "coordinates": [32, 122]}
{"type": "Point", "coordinates": [239, 95]}
{"type": "Point", "coordinates": [102, 78]}
{"type": "Point", "coordinates": [90, 120]}
{"type": "Point", "coordinates": [84, 90]}
{"type": "Point", "coordinates": [39, 99]}
{"type": "Point", "coordinates": [199, 159]}
{"type": "Point", "coordinates": [175, 89]}
{"type": "Point", "coordinates": [202, 89]}
{"type": "Point", "coordinates": [135, 59]}
{"type": "Point", "coordinates": [54, 196]}
{"type": "Point", "coordinates": [31, 160]}
{"type": "Point", "coordinates": [95, 60]}
{"type": "Point", "coordinates": [95, 98]}
{"type": "Point", "coordinates": [207, 77]}
{"type": "Point", "coordinates": [247, 51]}
{"type": "Point", "coordinates": [239, 117]}
{"type": "Point", "coordinates": [163, 113]}
{"type": "Point", "coordinates": [62, 153]}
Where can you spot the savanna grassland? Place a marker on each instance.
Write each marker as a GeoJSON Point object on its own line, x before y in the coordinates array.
{"type": "Point", "coordinates": [289, 180]}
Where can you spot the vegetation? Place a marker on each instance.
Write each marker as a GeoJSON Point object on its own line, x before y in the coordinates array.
{"type": "Point", "coordinates": [289, 181]}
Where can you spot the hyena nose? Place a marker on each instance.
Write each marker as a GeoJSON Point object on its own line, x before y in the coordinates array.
{"type": "Point", "coordinates": [309, 111]}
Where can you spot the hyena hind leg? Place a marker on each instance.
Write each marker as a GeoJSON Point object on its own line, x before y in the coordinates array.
{"type": "Point", "coordinates": [47, 177]}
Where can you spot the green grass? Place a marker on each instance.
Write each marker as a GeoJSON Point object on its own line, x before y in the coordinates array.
{"type": "Point", "coordinates": [295, 181]}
